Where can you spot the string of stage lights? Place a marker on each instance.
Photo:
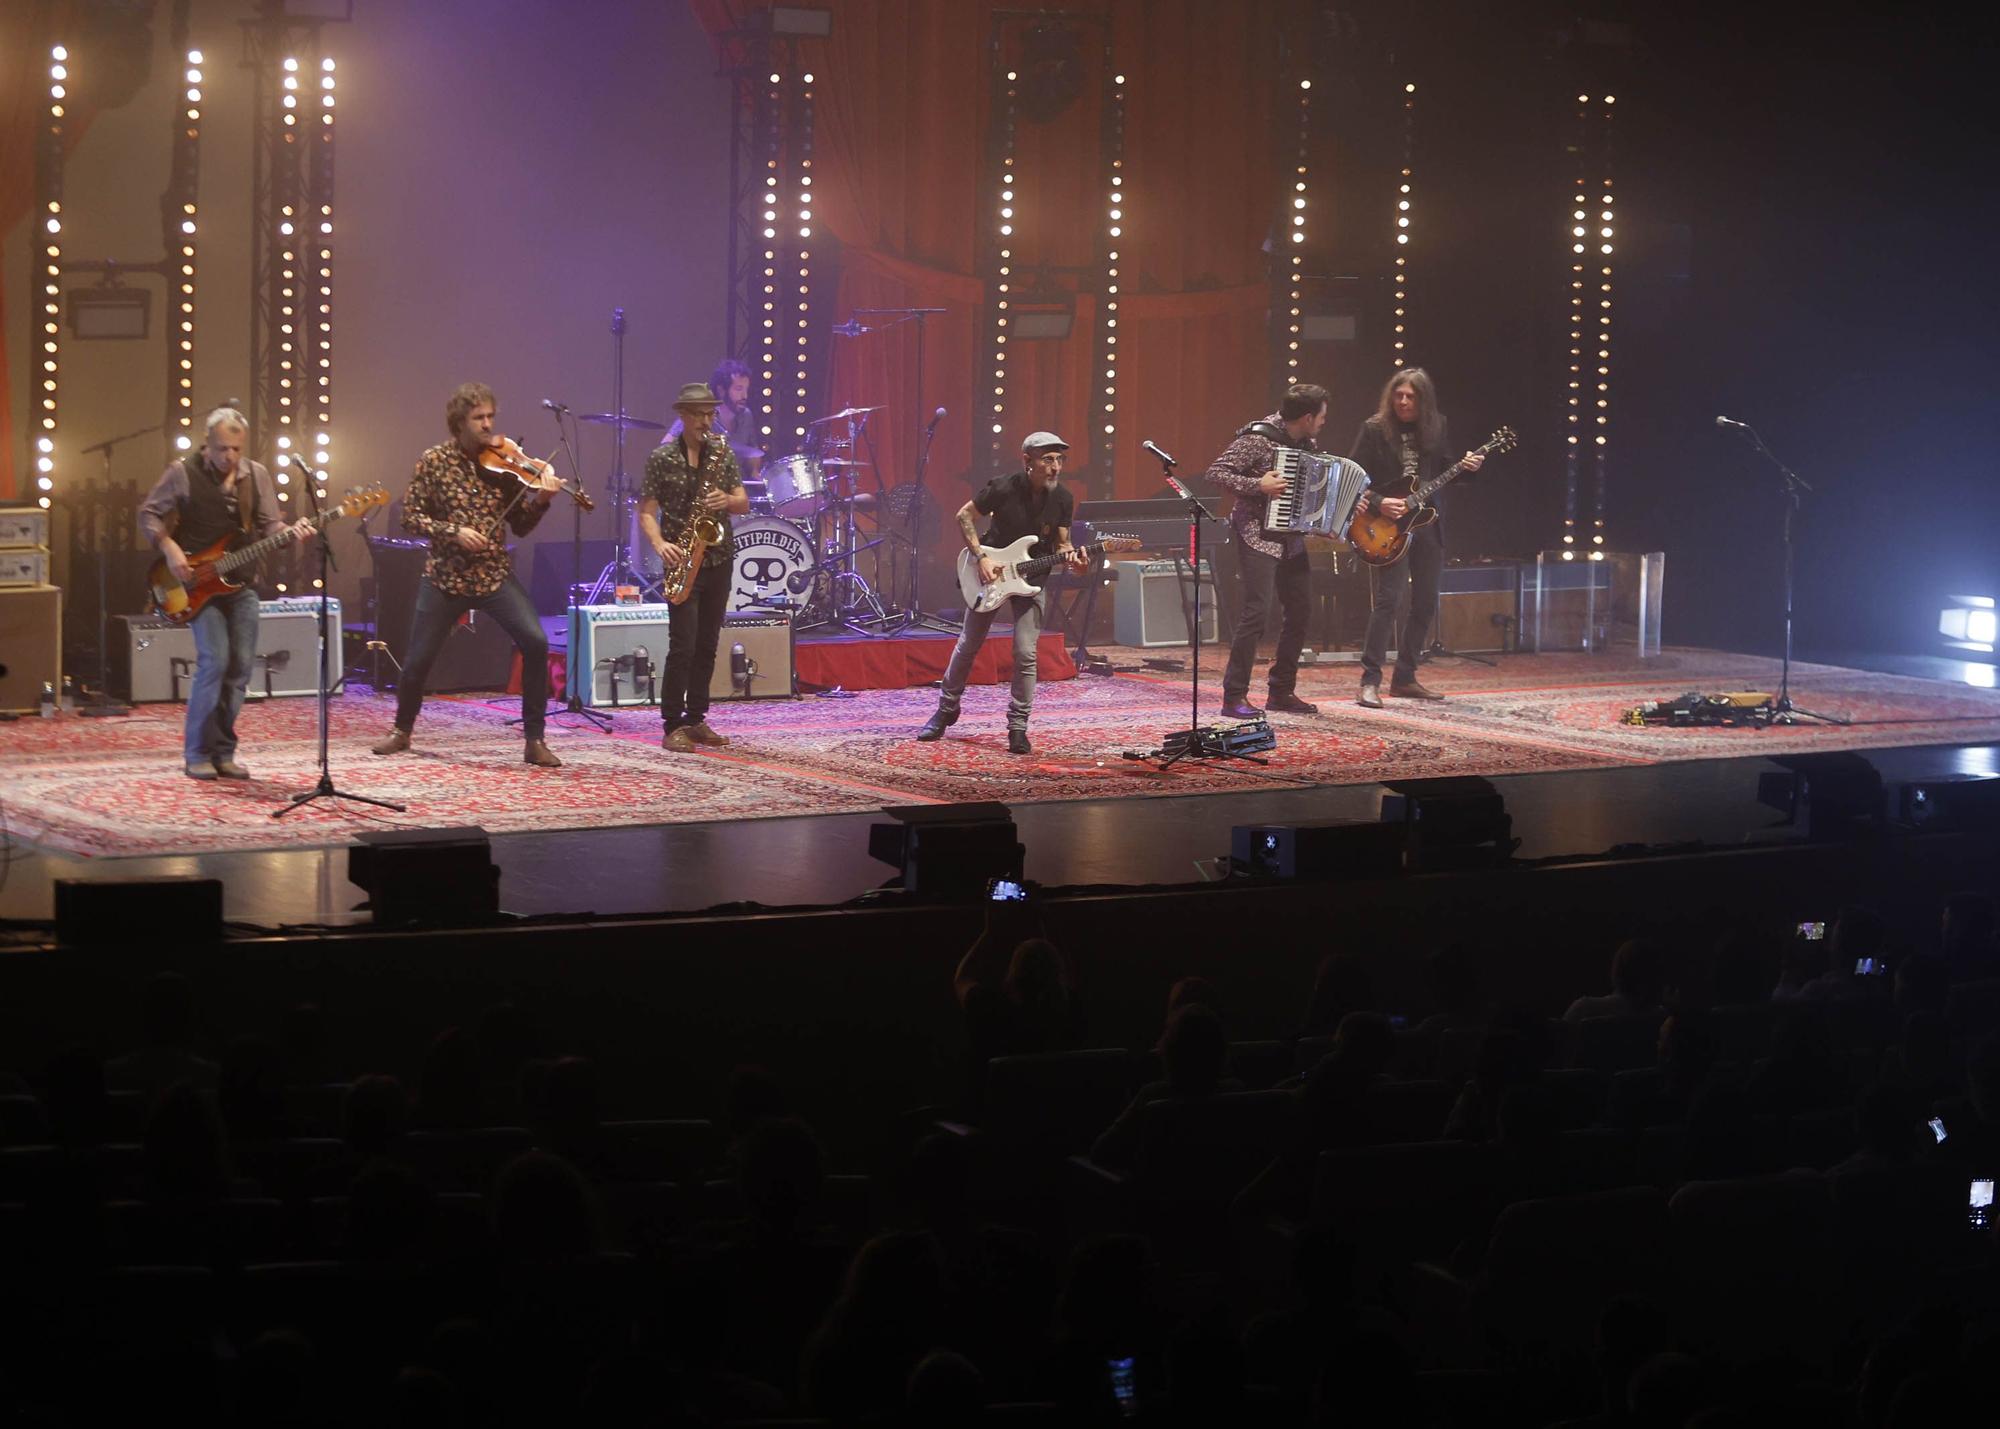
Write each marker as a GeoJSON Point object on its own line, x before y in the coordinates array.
{"type": "Point", "coordinates": [1588, 416]}
{"type": "Point", "coordinates": [180, 238]}
{"type": "Point", "coordinates": [1295, 323]}
{"type": "Point", "coordinates": [1404, 187]}
{"type": "Point", "coordinates": [49, 176]}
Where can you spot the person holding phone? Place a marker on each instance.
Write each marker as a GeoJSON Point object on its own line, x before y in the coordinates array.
{"type": "Point", "coordinates": [1014, 986]}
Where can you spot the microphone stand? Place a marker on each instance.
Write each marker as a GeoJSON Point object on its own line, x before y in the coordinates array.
{"type": "Point", "coordinates": [913, 609]}
{"type": "Point", "coordinates": [325, 789]}
{"type": "Point", "coordinates": [1784, 711]}
{"type": "Point", "coordinates": [1199, 744]}
{"type": "Point", "coordinates": [101, 704]}
{"type": "Point", "coordinates": [574, 703]}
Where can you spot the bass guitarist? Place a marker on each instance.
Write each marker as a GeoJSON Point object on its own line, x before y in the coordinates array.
{"type": "Point", "coordinates": [1405, 442]}
{"type": "Point", "coordinates": [1031, 502]}
{"type": "Point", "coordinates": [197, 502]}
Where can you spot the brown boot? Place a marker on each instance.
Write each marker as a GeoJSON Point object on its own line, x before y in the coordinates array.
{"type": "Point", "coordinates": [1412, 690]}
{"type": "Point", "coordinates": [702, 734]}
{"type": "Point", "coordinates": [537, 754]}
{"type": "Point", "coordinates": [677, 740]}
{"type": "Point", "coordinates": [396, 743]}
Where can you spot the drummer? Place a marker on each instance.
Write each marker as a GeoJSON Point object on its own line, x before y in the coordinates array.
{"type": "Point", "coordinates": [735, 420]}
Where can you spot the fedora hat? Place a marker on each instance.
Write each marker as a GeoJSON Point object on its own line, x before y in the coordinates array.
{"type": "Point", "coordinates": [696, 394]}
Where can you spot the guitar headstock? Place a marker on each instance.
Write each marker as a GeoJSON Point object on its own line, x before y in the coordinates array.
{"type": "Point", "coordinates": [1119, 543]}
{"type": "Point", "coordinates": [362, 499]}
{"type": "Point", "coordinates": [1502, 440]}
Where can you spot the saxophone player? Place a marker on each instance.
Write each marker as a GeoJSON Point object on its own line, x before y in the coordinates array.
{"type": "Point", "coordinates": [689, 476]}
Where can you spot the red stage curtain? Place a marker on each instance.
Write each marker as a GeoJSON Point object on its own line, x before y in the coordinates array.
{"type": "Point", "coordinates": [903, 181]}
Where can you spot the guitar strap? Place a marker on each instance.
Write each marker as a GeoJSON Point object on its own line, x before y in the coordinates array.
{"type": "Point", "coordinates": [246, 488]}
{"type": "Point", "coordinates": [1269, 431]}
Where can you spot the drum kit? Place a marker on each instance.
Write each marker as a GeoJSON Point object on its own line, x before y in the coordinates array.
{"type": "Point", "coordinates": [810, 521]}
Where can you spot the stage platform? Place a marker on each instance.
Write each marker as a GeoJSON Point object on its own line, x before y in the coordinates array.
{"type": "Point", "coordinates": [779, 817]}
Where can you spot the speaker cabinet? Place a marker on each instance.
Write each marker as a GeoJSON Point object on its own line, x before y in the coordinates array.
{"type": "Point", "coordinates": [1150, 608]}
{"type": "Point", "coordinates": [1479, 606]}
{"type": "Point", "coordinates": [767, 653]}
{"type": "Point", "coordinates": [152, 660]}
{"type": "Point", "coordinates": [616, 653]}
{"type": "Point", "coordinates": [30, 644]}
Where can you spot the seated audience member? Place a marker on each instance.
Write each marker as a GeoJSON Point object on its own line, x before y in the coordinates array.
{"type": "Point", "coordinates": [1029, 1009]}
{"type": "Point", "coordinates": [1687, 1051]}
{"type": "Point", "coordinates": [1857, 937]}
{"type": "Point", "coordinates": [250, 1092]}
{"type": "Point", "coordinates": [1188, 990]}
{"type": "Point", "coordinates": [1192, 1054]}
{"type": "Point", "coordinates": [186, 1153]}
{"type": "Point", "coordinates": [1968, 945]}
{"type": "Point", "coordinates": [1110, 1310]}
{"type": "Point", "coordinates": [166, 1056]}
{"type": "Point", "coordinates": [390, 1217]}
{"type": "Point", "coordinates": [1800, 1074]}
{"type": "Point", "coordinates": [1458, 988]}
{"type": "Point", "coordinates": [451, 1095]}
{"type": "Point", "coordinates": [568, 1118]}
{"type": "Point", "coordinates": [1342, 983]}
{"type": "Point", "coordinates": [1972, 1142]}
{"type": "Point", "coordinates": [945, 1391]}
{"type": "Point", "coordinates": [1512, 1053]}
{"type": "Point", "coordinates": [1637, 970]}
{"type": "Point", "coordinates": [1888, 1123]}
{"type": "Point", "coordinates": [1922, 984]}
{"type": "Point", "coordinates": [858, 1362]}
{"type": "Point", "coordinates": [543, 1211]}
{"type": "Point", "coordinates": [1803, 960]}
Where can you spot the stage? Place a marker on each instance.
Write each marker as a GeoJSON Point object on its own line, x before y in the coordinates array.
{"type": "Point", "coordinates": [779, 817]}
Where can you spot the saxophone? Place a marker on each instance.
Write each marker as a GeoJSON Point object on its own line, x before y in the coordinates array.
{"type": "Point", "coordinates": [697, 534]}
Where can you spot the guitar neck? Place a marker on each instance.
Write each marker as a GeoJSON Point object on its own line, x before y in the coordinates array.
{"type": "Point", "coordinates": [1445, 477]}
{"type": "Point", "coordinates": [1042, 565]}
{"type": "Point", "coordinates": [256, 550]}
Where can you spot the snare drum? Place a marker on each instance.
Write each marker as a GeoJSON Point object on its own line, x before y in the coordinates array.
{"type": "Point", "coordinates": [770, 553]}
{"type": "Point", "coordinates": [795, 485]}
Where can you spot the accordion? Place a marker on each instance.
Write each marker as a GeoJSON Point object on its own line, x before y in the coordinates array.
{"type": "Point", "coordinates": [1320, 494]}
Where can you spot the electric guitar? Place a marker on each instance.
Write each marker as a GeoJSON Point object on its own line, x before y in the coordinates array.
{"type": "Point", "coordinates": [1016, 569]}
{"type": "Point", "coordinates": [179, 603]}
{"type": "Point", "coordinates": [1380, 541]}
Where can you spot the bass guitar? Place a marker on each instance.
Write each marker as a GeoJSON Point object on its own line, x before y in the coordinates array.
{"type": "Point", "coordinates": [171, 600]}
{"type": "Point", "coordinates": [1016, 570]}
{"type": "Point", "coordinates": [1380, 541]}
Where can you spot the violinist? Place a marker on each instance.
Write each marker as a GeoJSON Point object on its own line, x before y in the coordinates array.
{"type": "Point", "coordinates": [461, 505]}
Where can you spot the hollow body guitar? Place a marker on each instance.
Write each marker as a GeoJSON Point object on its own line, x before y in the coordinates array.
{"type": "Point", "coordinates": [1380, 541]}
{"type": "Point", "coordinates": [213, 567]}
{"type": "Point", "coordinates": [1017, 570]}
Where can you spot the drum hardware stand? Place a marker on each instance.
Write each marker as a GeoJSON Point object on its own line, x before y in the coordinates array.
{"type": "Point", "coordinates": [101, 704]}
{"type": "Point", "coordinates": [913, 606]}
{"type": "Point", "coordinates": [573, 704]}
{"type": "Point", "coordinates": [619, 571]}
{"type": "Point", "coordinates": [1783, 710]}
{"type": "Point", "coordinates": [325, 789]}
{"type": "Point", "coordinates": [1195, 742]}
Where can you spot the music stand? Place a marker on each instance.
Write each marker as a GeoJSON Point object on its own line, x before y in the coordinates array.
{"type": "Point", "coordinates": [325, 788]}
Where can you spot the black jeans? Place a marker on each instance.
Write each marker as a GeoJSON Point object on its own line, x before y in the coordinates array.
{"type": "Point", "coordinates": [693, 629]}
{"type": "Point", "coordinates": [1260, 578]}
{"type": "Point", "coordinates": [438, 612]}
{"type": "Point", "coordinates": [1415, 579]}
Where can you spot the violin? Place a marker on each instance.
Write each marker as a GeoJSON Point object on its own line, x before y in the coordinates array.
{"type": "Point", "coordinates": [507, 458]}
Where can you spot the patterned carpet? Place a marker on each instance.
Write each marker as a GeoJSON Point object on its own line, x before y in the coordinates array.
{"type": "Point", "coordinates": [114, 787]}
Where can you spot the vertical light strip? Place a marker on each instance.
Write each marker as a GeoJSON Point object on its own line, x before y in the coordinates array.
{"type": "Point", "coordinates": [49, 169]}
{"type": "Point", "coordinates": [291, 356]}
{"type": "Point", "coordinates": [1114, 240]}
{"type": "Point", "coordinates": [767, 352]}
{"type": "Point", "coordinates": [804, 135]}
{"type": "Point", "coordinates": [1404, 198]}
{"type": "Point", "coordinates": [1604, 249]}
{"type": "Point", "coordinates": [319, 312]}
{"type": "Point", "coordinates": [1005, 284]}
{"type": "Point", "coordinates": [1296, 291]}
{"type": "Point", "coordinates": [1579, 217]}
{"type": "Point", "coordinates": [181, 234]}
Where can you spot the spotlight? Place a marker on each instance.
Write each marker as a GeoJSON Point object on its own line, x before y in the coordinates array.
{"type": "Point", "coordinates": [1959, 805]}
{"type": "Point", "coordinates": [1969, 623]}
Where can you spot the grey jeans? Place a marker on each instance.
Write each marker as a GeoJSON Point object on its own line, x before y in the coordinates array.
{"type": "Point", "coordinates": [1026, 613]}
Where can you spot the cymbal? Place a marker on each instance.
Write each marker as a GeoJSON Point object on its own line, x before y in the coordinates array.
{"type": "Point", "coordinates": [619, 419]}
{"type": "Point", "coordinates": [838, 416]}
{"type": "Point", "coordinates": [840, 461]}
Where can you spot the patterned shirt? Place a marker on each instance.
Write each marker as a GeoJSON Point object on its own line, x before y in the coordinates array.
{"type": "Point", "coordinates": [674, 484]}
{"type": "Point", "coordinates": [449, 491]}
{"type": "Point", "coordinates": [1238, 468]}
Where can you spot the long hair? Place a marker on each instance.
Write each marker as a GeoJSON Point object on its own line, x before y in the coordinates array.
{"type": "Point", "coordinates": [1430, 421]}
{"type": "Point", "coordinates": [468, 396]}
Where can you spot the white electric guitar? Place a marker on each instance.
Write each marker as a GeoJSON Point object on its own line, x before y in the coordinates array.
{"type": "Point", "coordinates": [1017, 570]}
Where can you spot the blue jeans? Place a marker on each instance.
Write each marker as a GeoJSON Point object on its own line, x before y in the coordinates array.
{"type": "Point", "coordinates": [1026, 612]}
{"type": "Point", "coordinates": [225, 648]}
{"type": "Point", "coordinates": [437, 613]}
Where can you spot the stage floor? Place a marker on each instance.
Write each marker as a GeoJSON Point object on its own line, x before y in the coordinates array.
{"type": "Point", "coordinates": [780, 817]}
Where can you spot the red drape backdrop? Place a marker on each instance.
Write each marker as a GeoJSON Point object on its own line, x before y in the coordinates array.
{"type": "Point", "coordinates": [905, 94]}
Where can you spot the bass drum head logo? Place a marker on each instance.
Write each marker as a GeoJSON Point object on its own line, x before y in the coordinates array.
{"type": "Point", "coordinates": [770, 552]}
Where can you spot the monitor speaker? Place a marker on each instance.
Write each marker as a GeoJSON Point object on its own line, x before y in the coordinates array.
{"type": "Point", "coordinates": [30, 644]}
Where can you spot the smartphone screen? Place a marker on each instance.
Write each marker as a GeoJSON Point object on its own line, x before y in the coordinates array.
{"type": "Point", "coordinates": [1937, 1129]}
{"type": "Point", "coordinates": [1870, 967]}
{"type": "Point", "coordinates": [1979, 1204]}
{"type": "Point", "coordinates": [1812, 932]}
{"type": "Point", "coordinates": [1124, 1389]}
{"type": "Point", "coordinates": [1006, 890]}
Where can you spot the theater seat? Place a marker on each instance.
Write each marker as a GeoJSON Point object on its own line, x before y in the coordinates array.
{"type": "Point", "coordinates": [1552, 1264]}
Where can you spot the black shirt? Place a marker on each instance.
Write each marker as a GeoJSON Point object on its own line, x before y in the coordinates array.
{"type": "Point", "coordinates": [1387, 455]}
{"type": "Point", "coordinates": [1019, 510]}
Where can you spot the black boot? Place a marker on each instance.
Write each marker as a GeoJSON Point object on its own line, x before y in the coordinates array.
{"type": "Point", "coordinates": [1017, 742]}
{"type": "Point", "coordinates": [937, 724]}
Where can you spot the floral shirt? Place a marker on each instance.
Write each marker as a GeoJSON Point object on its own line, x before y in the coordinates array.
{"type": "Point", "coordinates": [449, 491]}
{"type": "Point", "coordinates": [674, 484]}
{"type": "Point", "coordinates": [1238, 469]}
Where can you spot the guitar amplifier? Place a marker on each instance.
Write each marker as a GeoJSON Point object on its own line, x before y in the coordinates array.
{"type": "Point", "coordinates": [765, 669]}
{"type": "Point", "coordinates": [25, 565]}
{"type": "Point", "coordinates": [1150, 611]}
{"type": "Point", "coordinates": [616, 653]}
{"type": "Point", "coordinates": [152, 660]}
{"type": "Point", "coordinates": [1479, 606]}
{"type": "Point", "coordinates": [30, 644]}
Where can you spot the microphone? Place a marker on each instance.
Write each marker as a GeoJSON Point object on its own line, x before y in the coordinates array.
{"type": "Point", "coordinates": [798, 581]}
{"type": "Point", "coordinates": [850, 328]}
{"type": "Point", "coordinates": [1169, 461]}
{"type": "Point", "coordinates": [936, 417]}
{"type": "Point", "coordinates": [555, 406]}
{"type": "Point", "coordinates": [1732, 423]}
